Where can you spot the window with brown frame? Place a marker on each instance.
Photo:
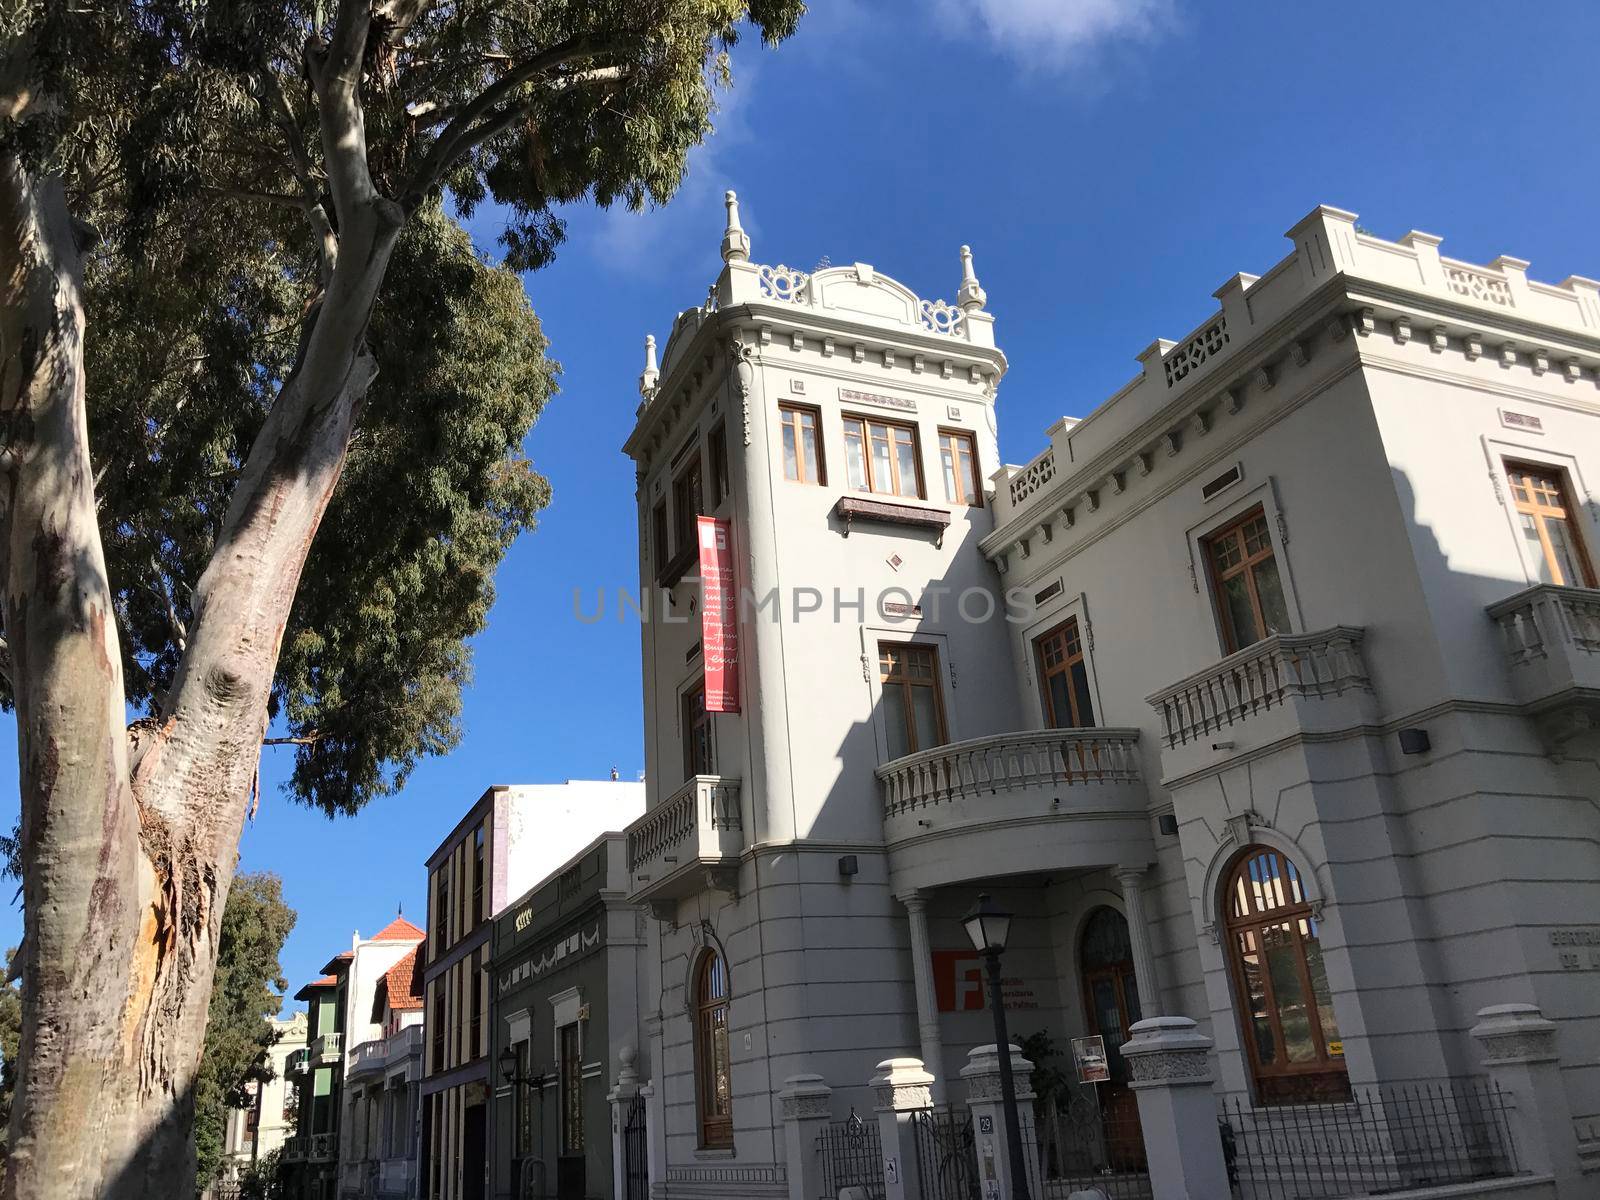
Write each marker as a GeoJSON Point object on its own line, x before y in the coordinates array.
{"type": "Point", "coordinates": [958, 459]}
{"type": "Point", "coordinates": [802, 444]}
{"type": "Point", "coordinates": [1281, 983]}
{"type": "Point", "coordinates": [1064, 677]}
{"type": "Point", "coordinates": [713, 1070]}
{"type": "Point", "coordinates": [882, 457]}
{"type": "Point", "coordinates": [699, 751]}
{"type": "Point", "coordinates": [571, 1069]}
{"type": "Point", "coordinates": [478, 915]}
{"type": "Point", "coordinates": [1244, 577]}
{"type": "Point", "coordinates": [913, 709]}
{"type": "Point", "coordinates": [717, 451]}
{"type": "Point", "coordinates": [658, 534]}
{"type": "Point", "coordinates": [688, 502]}
{"type": "Point", "coordinates": [1550, 538]}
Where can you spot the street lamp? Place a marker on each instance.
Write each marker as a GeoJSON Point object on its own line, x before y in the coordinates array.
{"type": "Point", "coordinates": [511, 1072]}
{"type": "Point", "coordinates": [988, 925]}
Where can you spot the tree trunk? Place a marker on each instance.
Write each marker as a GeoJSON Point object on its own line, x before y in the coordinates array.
{"type": "Point", "coordinates": [129, 845]}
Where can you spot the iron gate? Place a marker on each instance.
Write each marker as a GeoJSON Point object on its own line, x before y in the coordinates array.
{"type": "Point", "coordinates": [852, 1156]}
{"type": "Point", "coordinates": [635, 1153]}
{"type": "Point", "coordinates": [947, 1160]}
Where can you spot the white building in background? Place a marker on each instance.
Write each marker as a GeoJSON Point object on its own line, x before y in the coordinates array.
{"type": "Point", "coordinates": [383, 1079]}
{"type": "Point", "coordinates": [254, 1132]}
{"type": "Point", "coordinates": [1264, 695]}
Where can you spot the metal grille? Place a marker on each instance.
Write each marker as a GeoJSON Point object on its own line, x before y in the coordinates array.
{"type": "Point", "coordinates": [852, 1156]}
{"type": "Point", "coordinates": [1387, 1138]}
{"type": "Point", "coordinates": [1082, 1146]}
{"type": "Point", "coordinates": [947, 1160]}
{"type": "Point", "coordinates": [635, 1160]}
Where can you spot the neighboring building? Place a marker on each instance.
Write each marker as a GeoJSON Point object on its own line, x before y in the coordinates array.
{"type": "Point", "coordinates": [568, 975]}
{"type": "Point", "coordinates": [382, 1089]}
{"type": "Point", "coordinates": [508, 841]}
{"type": "Point", "coordinates": [326, 1158]}
{"type": "Point", "coordinates": [256, 1131]}
{"type": "Point", "coordinates": [1328, 797]}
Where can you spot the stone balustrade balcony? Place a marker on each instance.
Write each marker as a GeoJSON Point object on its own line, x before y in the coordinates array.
{"type": "Point", "coordinates": [1284, 685]}
{"type": "Point", "coordinates": [297, 1062]}
{"type": "Point", "coordinates": [294, 1148]}
{"type": "Point", "coordinates": [1550, 638]}
{"type": "Point", "coordinates": [1000, 805]}
{"type": "Point", "coordinates": [322, 1147]}
{"type": "Point", "coordinates": [327, 1049]}
{"type": "Point", "coordinates": [689, 842]}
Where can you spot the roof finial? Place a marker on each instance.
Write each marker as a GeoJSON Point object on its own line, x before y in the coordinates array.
{"type": "Point", "coordinates": [651, 373]}
{"type": "Point", "coordinates": [971, 297]}
{"type": "Point", "coordinates": [735, 245]}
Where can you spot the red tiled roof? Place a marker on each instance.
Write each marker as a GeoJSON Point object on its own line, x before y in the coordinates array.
{"type": "Point", "coordinates": [402, 983]}
{"type": "Point", "coordinates": [326, 981]}
{"type": "Point", "coordinates": [399, 930]}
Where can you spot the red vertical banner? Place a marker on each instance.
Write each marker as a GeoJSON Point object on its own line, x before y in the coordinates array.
{"type": "Point", "coordinates": [719, 626]}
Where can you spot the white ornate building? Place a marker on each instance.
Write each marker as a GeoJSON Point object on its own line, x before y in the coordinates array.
{"type": "Point", "coordinates": [1264, 696]}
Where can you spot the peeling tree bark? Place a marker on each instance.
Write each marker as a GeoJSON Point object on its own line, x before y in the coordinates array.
{"type": "Point", "coordinates": [130, 837]}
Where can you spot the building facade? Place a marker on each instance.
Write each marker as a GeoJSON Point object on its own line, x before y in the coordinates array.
{"type": "Point", "coordinates": [567, 997]}
{"type": "Point", "coordinates": [1261, 696]}
{"type": "Point", "coordinates": [510, 839]}
{"type": "Point", "coordinates": [327, 1156]}
{"type": "Point", "coordinates": [383, 1081]}
{"type": "Point", "coordinates": [258, 1130]}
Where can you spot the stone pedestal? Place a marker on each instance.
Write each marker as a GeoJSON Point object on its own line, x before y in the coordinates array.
{"type": "Point", "coordinates": [982, 1076]}
{"type": "Point", "coordinates": [621, 1099]}
{"type": "Point", "coordinates": [807, 1107]}
{"type": "Point", "coordinates": [1519, 1053]}
{"type": "Point", "coordinates": [902, 1087]}
{"type": "Point", "coordinates": [1170, 1065]}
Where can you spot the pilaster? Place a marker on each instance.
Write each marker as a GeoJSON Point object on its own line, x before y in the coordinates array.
{"type": "Point", "coordinates": [1170, 1065]}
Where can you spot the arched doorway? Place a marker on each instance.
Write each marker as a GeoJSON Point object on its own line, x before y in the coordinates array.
{"type": "Point", "coordinates": [1111, 1004]}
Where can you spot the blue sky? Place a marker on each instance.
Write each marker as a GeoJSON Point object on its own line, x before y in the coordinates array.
{"type": "Point", "coordinates": [1111, 162]}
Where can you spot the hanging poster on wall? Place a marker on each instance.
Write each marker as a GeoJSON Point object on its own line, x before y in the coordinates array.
{"type": "Point", "coordinates": [719, 627]}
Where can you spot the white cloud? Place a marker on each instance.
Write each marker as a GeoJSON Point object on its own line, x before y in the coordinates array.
{"type": "Point", "coordinates": [1054, 33]}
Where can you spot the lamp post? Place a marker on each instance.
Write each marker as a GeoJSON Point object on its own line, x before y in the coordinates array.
{"type": "Point", "coordinates": [988, 926]}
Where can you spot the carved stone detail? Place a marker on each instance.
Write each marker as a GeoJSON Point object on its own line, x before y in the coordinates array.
{"type": "Point", "coordinates": [1198, 350]}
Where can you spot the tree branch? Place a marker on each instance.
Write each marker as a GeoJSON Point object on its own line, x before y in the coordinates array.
{"type": "Point", "coordinates": [295, 202]}
{"type": "Point", "coordinates": [310, 739]}
{"type": "Point", "coordinates": [458, 136]}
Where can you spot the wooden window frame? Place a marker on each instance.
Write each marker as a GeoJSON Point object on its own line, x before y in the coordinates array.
{"type": "Point", "coordinates": [864, 424]}
{"type": "Point", "coordinates": [1068, 660]}
{"type": "Point", "coordinates": [906, 683]}
{"type": "Point", "coordinates": [660, 548]}
{"type": "Point", "coordinates": [969, 439]}
{"type": "Point", "coordinates": [479, 859]}
{"type": "Point", "coordinates": [686, 717]}
{"type": "Point", "coordinates": [809, 474]}
{"type": "Point", "coordinates": [1566, 513]}
{"type": "Point", "coordinates": [570, 1075]}
{"type": "Point", "coordinates": [1245, 565]}
{"type": "Point", "coordinates": [717, 478]}
{"type": "Point", "coordinates": [688, 498]}
{"type": "Point", "coordinates": [1272, 1081]}
{"type": "Point", "coordinates": [716, 1130]}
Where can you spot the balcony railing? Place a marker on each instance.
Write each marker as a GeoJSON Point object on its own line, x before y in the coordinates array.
{"type": "Point", "coordinates": [1275, 673]}
{"type": "Point", "coordinates": [1008, 762]}
{"type": "Point", "coordinates": [327, 1048]}
{"type": "Point", "coordinates": [294, 1148]}
{"type": "Point", "coordinates": [698, 828]}
{"type": "Point", "coordinates": [369, 1056]}
{"type": "Point", "coordinates": [323, 1147]}
{"type": "Point", "coordinates": [1551, 640]}
{"type": "Point", "coordinates": [297, 1062]}
{"type": "Point", "coordinates": [1020, 802]}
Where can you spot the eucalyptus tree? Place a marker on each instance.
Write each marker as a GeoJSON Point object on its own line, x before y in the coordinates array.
{"type": "Point", "coordinates": [259, 410]}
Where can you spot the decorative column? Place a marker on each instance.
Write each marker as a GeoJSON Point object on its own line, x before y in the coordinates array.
{"type": "Point", "coordinates": [1131, 880]}
{"type": "Point", "coordinates": [1519, 1052]}
{"type": "Point", "coordinates": [1170, 1065]}
{"type": "Point", "coordinates": [621, 1099]}
{"type": "Point", "coordinates": [807, 1107]}
{"type": "Point", "coordinates": [902, 1089]}
{"type": "Point", "coordinates": [928, 1034]}
{"type": "Point", "coordinates": [982, 1074]}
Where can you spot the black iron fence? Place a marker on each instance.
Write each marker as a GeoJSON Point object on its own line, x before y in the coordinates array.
{"type": "Point", "coordinates": [947, 1161]}
{"type": "Point", "coordinates": [1386, 1138]}
{"type": "Point", "coordinates": [1088, 1142]}
{"type": "Point", "coordinates": [852, 1156]}
{"type": "Point", "coordinates": [635, 1152]}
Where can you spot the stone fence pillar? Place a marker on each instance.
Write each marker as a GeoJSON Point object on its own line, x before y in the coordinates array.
{"type": "Point", "coordinates": [1519, 1053]}
{"type": "Point", "coordinates": [1170, 1065]}
{"type": "Point", "coordinates": [982, 1074]}
{"type": "Point", "coordinates": [621, 1099]}
{"type": "Point", "coordinates": [807, 1107]}
{"type": "Point", "coordinates": [903, 1088]}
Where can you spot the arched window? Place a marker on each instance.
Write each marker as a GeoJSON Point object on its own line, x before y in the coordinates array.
{"type": "Point", "coordinates": [714, 1078]}
{"type": "Point", "coordinates": [1290, 1033]}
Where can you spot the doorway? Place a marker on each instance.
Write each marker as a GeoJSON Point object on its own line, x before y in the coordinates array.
{"type": "Point", "coordinates": [473, 1152]}
{"type": "Point", "coordinates": [1111, 1004]}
